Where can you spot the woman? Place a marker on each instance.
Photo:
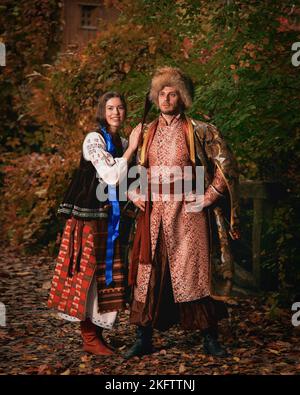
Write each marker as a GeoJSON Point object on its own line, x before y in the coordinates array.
{"type": "Point", "coordinates": [88, 283]}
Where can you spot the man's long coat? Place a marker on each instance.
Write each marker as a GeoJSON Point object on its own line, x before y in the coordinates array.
{"type": "Point", "coordinates": [207, 148]}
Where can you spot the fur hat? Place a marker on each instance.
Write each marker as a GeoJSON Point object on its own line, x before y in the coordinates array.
{"type": "Point", "coordinates": [172, 76]}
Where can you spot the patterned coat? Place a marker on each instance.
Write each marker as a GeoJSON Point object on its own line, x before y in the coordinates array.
{"type": "Point", "coordinates": [187, 142]}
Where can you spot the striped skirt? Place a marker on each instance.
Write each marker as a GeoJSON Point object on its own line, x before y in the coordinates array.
{"type": "Point", "coordinates": [81, 259]}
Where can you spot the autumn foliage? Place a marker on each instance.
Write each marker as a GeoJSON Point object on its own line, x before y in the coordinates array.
{"type": "Point", "coordinates": [239, 56]}
{"type": "Point", "coordinates": [31, 33]}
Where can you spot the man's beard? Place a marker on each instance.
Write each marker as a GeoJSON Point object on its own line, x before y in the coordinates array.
{"type": "Point", "coordinates": [175, 111]}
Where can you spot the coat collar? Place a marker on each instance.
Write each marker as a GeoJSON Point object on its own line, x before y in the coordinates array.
{"type": "Point", "coordinates": [150, 132]}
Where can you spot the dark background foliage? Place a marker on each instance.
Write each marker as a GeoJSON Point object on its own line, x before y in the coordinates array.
{"type": "Point", "coordinates": [238, 53]}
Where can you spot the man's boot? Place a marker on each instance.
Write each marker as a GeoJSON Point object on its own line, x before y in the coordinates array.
{"type": "Point", "coordinates": [91, 342]}
{"type": "Point", "coordinates": [143, 343]}
{"type": "Point", "coordinates": [211, 345]}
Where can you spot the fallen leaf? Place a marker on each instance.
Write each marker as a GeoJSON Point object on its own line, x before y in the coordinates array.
{"type": "Point", "coordinates": [273, 351]}
{"type": "Point", "coordinates": [46, 285]}
{"type": "Point", "coordinates": [66, 372]}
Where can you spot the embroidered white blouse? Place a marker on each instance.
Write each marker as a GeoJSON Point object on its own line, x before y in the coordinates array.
{"type": "Point", "coordinates": [109, 169]}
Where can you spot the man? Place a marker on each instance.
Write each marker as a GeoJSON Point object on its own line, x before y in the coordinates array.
{"type": "Point", "coordinates": [170, 265]}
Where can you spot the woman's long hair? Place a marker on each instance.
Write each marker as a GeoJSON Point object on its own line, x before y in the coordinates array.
{"type": "Point", "coordinates": [101, 113]}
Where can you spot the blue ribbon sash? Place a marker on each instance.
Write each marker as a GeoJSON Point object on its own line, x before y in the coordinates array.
{"type": "Point", "coordinates": [114, 215]}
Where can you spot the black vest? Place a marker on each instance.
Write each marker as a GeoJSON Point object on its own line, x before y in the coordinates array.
{"type": "Point", "coordinates": [80, 200]}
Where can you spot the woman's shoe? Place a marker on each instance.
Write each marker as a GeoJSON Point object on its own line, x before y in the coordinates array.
{"type": "Point", "coordinates": [99, 333]}
{"type": "Point", "coordinates": [91, 342]}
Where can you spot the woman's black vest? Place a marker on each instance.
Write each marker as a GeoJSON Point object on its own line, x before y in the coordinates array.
{"type": "Point", "coordinates": [80, 200]}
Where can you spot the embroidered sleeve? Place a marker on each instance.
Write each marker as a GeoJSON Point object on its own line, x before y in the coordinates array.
{"type": "Point", "coordinates": [109, 169]}
{"type": "Point", "coordinates": [216, 188]}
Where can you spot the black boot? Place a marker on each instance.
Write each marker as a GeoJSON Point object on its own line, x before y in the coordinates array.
{"type": "Point", "coordinates": [211, 345]}
{"type": "Point", "coordinates": [143, 343]}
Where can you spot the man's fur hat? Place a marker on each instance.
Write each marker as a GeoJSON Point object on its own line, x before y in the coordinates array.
{"type": "Point", "coordinates": [172, 76]}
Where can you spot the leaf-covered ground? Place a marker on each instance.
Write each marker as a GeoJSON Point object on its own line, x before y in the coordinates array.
{"type": "Point", "coordinates": [36, 341]}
